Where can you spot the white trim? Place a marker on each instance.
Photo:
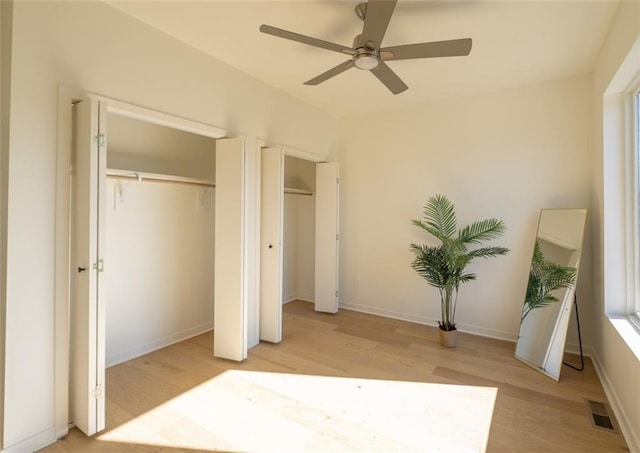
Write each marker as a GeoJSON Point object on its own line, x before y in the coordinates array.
{"type": "Point", "coordinates": [630, 435]}
{"type": "Point", "coordinates": [468, 328]}
{"type": "Point", "coordinates": [634, 320]}
{"type": "Point", "coordinates": [302, 299]}
{"type": "Point", "coordinates": [571, 348]}
{"type": "Point", "coordinates": [136, 112]}
{"type": "Point", "coordinates": [62, 255]}
{"type": "Point", "coordinates": [628, 332]}
{"type": "Point", "coordinates": [151, 346]}
{"type": "Point", "coordinates": [254, 304]}
{"type": "Point", "coordinates": [574, 348]}
{"type": "Point", "coordinates": [301, 154]}
{"type": "Point", "coordinates": [633, 222]}
{"type": "Point", "coordinates": [630, 194]}
{"type": "Point", "coordinates": [33, 443]}
{"type": "Point", "coordinates": [307, 297]}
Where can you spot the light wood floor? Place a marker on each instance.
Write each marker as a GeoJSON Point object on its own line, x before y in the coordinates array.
{"type": "Point", "coordinates": [532, 412]}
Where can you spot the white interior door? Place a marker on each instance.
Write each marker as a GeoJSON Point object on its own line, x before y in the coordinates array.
{"type": "Point", "coordinates": [327, 191]}
{"type": "Point", "coordinates": [230, 293]}
{"type": "Point", "coordinates": [87, 341]}
{"type": "Point", "coordinates": [271, 206]}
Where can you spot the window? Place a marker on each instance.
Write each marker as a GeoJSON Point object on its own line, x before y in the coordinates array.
{"type": "Point", "coordinates": [634, 303]}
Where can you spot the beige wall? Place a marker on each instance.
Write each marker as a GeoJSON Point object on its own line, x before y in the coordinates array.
{"type": "Point", "coordinates": [505, 154]}
{"type": "Point", "coordinates": [141, 146]}
{"type": "Point", "coordinates": [618, 366]}
{"type": "Point", "coordinates": [91, 46]}
{"type": "Point", "coordinates": [160, 250]}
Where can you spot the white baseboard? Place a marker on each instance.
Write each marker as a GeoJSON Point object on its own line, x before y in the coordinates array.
{"type": "Point", "coordinates": [307, 297]}
{"type": "Point", "coordinates": [288, 298]}
{"type": "Point", "coordinates": [628, 432]}
{"type": "Point", "coordinates": [468, 328]}
{"type": "Point", "coordinates": [302, 298]}
{"type": "Point", "coordinates": [574, 348]}
{"type": "Point", "coordinates": [138, 350]}
{"type": "Point", "coordinates": [33, 443]}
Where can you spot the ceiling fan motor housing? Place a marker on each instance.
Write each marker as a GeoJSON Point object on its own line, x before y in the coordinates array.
{"type": "Point", "coordinates": [366, 57]}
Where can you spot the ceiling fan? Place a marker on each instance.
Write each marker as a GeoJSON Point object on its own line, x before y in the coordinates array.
{"type": "Point", "coordinates": [367, 52]}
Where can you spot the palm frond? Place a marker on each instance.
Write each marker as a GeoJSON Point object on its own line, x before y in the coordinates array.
{"type": "Point", "coordinates": [483, 230]}
{"type": "Point", "coordinates": [429, 229]}
{"type": "Point", "coordinates": [545, 277]}
{"type": "Point", "coordinates": [439, 213]}
{"type": "Point", "coordinates": [488, 252]}
{"type": "Point", "coordinates": [430, 263]}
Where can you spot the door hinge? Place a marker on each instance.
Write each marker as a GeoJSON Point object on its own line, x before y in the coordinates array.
{"type": "Point", "coordinates": [99, 266]}
{"type": "Point", "coordinates": [336, 294]}
{"type": "Point", "coordinates": [337, 237]}
{"type": "Point", "coordinates": [337, 180]}
{"type": "Point", "coordinates": [98, 391]}
{"type": "Point", "coordinates": [100, 140]}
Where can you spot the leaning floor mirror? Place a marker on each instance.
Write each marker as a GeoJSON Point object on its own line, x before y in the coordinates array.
{"type": "Point", "coordinates": [551, 289]}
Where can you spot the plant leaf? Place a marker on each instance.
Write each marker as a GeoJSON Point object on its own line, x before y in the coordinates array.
{"type": "Point", "coordinates": [483, 230]}
{"type": "Point", "coordinates": [439, 213]}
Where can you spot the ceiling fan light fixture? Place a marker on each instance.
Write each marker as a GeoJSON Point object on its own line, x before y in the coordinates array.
{"type": "Point", "coordinates": [366, 60]}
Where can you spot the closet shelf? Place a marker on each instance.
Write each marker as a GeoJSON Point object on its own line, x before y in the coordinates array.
{"type": "Point", "coordinates": [157, 177]}
{"type": "Point", "coordinates": [293, 191]}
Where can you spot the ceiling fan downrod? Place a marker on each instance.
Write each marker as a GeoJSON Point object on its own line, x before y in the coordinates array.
{"type": "Point", "coordinates": [361, 11]}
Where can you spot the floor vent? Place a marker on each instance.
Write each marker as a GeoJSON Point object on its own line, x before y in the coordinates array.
{"type": "Point", "coordinates": [601, 415]}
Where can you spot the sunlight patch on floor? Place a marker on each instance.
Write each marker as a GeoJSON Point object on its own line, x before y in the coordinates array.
{"type": "Point", "coordinates": [260, 411]}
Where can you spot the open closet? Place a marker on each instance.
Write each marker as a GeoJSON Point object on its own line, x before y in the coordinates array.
{"type": "Point", "coordinates": [299, 236]}
{"type": "Point", "coordinates": [161, 242]}
{"type": "Point", "coordinates": [159, 236]}
{"type": "Point", "coordinates": [299, 229]}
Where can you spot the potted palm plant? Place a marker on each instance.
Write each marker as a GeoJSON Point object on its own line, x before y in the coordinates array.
{"type": "Point", "coordinates": [443, 266]}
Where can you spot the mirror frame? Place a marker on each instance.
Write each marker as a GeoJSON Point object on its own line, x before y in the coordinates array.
{"type": "Point", "coordinates": [552, 363]}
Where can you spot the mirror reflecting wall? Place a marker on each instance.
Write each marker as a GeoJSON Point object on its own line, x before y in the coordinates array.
{"type": "Point", "coordinates": [550, 289]}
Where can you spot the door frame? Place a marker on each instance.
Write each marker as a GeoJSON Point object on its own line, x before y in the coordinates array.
{"type": "Point", "coordinates": [67, 96]}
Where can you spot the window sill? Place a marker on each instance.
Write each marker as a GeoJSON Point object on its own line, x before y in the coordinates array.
{"type": "Point", "coordinates": [629, 331]}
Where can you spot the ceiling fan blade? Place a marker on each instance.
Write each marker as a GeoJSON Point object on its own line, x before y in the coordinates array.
{"type": "Point", "coordinates": [452, 48]}
{"type": "Point", "coordinates": [330, 73]}
{"type": "Point", "coordinates": [389, 78]}
{"type": "Point", "coordinates": [268, 29]}
{"type": "Point", "coordinates": [376, 21]}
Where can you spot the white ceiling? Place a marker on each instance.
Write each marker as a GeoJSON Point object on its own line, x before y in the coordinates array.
{"type": "Point", "coordinates": [514, 43]}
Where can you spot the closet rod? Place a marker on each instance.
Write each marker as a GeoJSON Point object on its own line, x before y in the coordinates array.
{"type": "Point", "coordinates": [158, 178]}
{"type": "Point", "coordinates": [179, 180]}
{"type": "Point", "coordinates": [297, 192]}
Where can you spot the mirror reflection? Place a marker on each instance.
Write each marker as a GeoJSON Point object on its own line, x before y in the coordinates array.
{"type": "Point", "coordinates": [550, 289]}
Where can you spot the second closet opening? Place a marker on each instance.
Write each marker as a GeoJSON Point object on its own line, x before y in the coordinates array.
{"type": "Point", "coordinates": [299, 230]}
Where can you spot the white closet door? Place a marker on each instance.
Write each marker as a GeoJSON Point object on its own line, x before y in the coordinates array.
{"type": "Point", "coordinates": [327, 185]}
{"type": "Point", "coordinates": [230, 293]}
{"type": "Point", "coordinates": [87, 341]}
{"type": "Point", "coordinates": [272, 201]}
